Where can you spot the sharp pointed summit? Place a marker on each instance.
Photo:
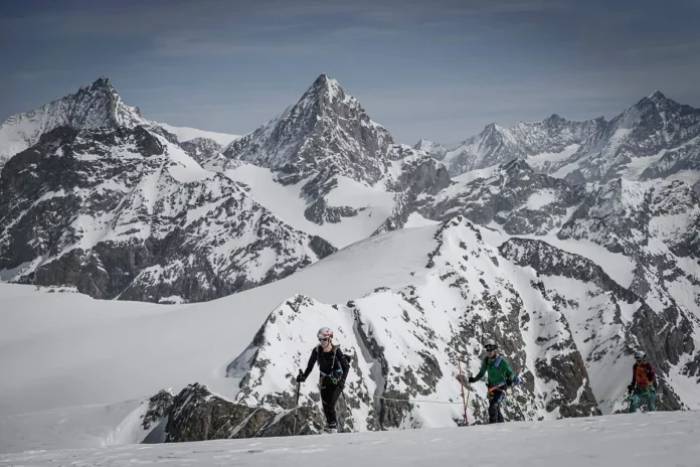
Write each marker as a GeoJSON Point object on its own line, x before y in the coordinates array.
{"type": "Point", "coordinates": [657, 96]}
{"type": "Point", "coordinates": [101, 82]}
{"type": "Point", "coordinates": [654, 102]}
{"type": "Point", "coordinates": [327, 130]}
{"type": "Point", "coordinates": [328, 87]}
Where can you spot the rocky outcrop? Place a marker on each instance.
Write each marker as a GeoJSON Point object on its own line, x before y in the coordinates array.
{"type": "Point", "coordinates": [195, 414]}
{"type": "Point", "coordinates": [419, 175]}
{"type": "Point", "coordinates": [203, 150]}
{"type": "Point", "coordinates": [320, 213]}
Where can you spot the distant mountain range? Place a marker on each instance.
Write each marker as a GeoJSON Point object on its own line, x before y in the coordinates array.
{"type": "Point", "coordinates": [656, 137]}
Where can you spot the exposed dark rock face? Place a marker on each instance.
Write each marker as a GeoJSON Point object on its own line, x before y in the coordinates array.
{"type": "Point", "coordinates": [667, 337]}
{"type": "Point", "coordinates": [159, 406]}
{"type": "Point", "coordinates": [203, 150]}
{"type": "Point", "coordinates": [419, 175]}
{"type": "Point", "coordinates": [321, 247]}
{"type": "Point", "coordinates": [319, 212]}
{"type": "Point", "coordinates": [195, 414]}
{"type": "Point", "coordinates": [568, 369]}
{"type": "Point", "coordinates": [552, 261]}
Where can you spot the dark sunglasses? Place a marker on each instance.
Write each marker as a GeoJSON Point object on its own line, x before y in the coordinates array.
{"type": "Point", "coordinates": [324, 339]}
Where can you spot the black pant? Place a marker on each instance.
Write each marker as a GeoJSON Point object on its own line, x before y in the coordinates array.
{"type": "Point", "coordinates": [495, 398]}
{"type": "Point", "coordinates": [329, 396]}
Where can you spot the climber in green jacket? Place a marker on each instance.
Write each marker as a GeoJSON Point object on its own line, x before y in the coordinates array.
{"type": "Point", "coordinates": [500, 376]}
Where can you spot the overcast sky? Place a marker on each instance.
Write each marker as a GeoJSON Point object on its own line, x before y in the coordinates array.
{"type": "Point", "coordinates": [434, 69]}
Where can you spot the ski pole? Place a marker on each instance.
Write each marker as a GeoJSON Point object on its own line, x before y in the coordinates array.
{"type": "Point", "coordinates": [461, 387]}
{"type": "Point", "coordinates": [296, 404]}
{"type": "Point", "coordinates": [469, 393]}
{"type": "Point", "coordinates": [341, 422]}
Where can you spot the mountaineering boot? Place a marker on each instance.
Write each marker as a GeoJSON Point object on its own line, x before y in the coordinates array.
{"type": "Point", "coordinates": [331, 428]}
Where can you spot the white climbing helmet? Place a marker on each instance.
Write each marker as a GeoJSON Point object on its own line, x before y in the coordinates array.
{"type": "Point", "coordinates": [639, 355]}
{"type": "Point", "coordinates": [325, 333]}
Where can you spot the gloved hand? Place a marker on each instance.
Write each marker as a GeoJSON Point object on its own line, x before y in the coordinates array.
{"type": "Point", "coordinates": [509, 382]}
{"type": "Point", "coordinates": [630, 388]}
{"type": "Point", "coordinates": [464, 380]}
{"type": "Point", "coordinates": [300, 377]}
{"type": "Point", "coordinates": [472, 379]}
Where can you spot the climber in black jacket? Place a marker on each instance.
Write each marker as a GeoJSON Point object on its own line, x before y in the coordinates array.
{"type": "Point", "coordinates": [333, 368]}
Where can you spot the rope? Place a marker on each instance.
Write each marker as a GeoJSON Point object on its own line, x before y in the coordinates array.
{"type": "Point", "coordinates": [416, 401]}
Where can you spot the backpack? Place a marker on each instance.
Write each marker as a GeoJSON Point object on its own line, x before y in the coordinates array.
{"type": "Point", "coordinates": [336, 368]}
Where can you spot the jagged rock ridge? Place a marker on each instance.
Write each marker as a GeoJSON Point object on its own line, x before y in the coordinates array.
{"type": "Point", "coordinates": [656, 137]}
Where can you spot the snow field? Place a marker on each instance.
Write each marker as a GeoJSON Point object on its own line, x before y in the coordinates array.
{"type": "Point", "coordinates": [638, 440]}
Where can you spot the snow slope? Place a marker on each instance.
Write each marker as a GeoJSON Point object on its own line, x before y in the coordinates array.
{"type": "Point", "coordinates": [70, 355]}
{"type": "Point", "coordinates": [638, 440]}
{"type": "Point", "coordinates": [373, 203]}
{"type": "Point", "coordinates": [425, 296]}
{"type": "Point", "coordinates": [184, 133]}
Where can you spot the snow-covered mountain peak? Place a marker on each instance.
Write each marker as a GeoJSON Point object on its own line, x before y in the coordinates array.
{"type": "Point", "coordinates": [326, 96]}
{"type": "Point", "coordinates": [97, 105]}
{"type": "Point", "coordinates": [326, 131]}
{"type": "Point", "coordinates": [101, 83]}
{"type": "Point", "coordinates": [652, 105]}
{"type": "Point", "coordinates": [657, 96]}
{"type": "Point", "coordinates": [327, 87]}
{"type": "Point", "coordinates": [491, 129]}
